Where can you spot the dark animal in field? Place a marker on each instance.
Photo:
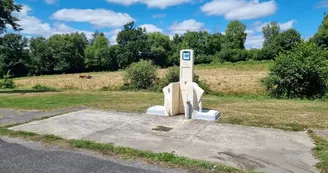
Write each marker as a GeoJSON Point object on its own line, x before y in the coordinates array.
{"type": "Point", "coordinates": [82, 76]}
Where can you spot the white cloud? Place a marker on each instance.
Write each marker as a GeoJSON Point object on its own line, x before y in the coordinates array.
{"type": "Point", "coordinates": [254, 41]}
{"type": "Point", "coordinates": [51, 1]}
{"type": "Point", "coordinates": [187, 25]}
{"type": "Point", "coordinates": [97, 17]}
{"type": "Point", "coordinates": [151, 28]}
{"type": "Point", "coordinates": [287, 25]}
{"type": "Point", "coordinates": [113, 36]}
{"type": "Point", "coordinates": [160, 15]}
{"type": "Point", "coordinates": [152, 3]}
{"type": "Point", "coordinates": [34, 26]}
{"type": "Point", "coordinates": [283, 26]}
{"type": "Point", "coordinates": [24, 12]}
{"type": "Point", "coordinates": [240, 9]}
{"type": "Point", "coordinates": [322, 4]}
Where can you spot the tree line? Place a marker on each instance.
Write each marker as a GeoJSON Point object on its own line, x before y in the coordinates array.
{"type": "Point", "coordinates": [73, 53]}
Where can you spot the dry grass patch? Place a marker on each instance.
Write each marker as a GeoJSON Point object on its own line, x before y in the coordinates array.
{"type": "Point", "coordinates": [229, 80]}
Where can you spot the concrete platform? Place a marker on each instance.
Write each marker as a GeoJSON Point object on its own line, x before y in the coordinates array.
{"type": "Point", "coordinates": [267, 150]}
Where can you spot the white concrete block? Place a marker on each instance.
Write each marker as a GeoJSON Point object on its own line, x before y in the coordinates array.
{"type": "Point", "coordinates": [208, 115]}
{"type": "Point", "coordinates": [156, 110]}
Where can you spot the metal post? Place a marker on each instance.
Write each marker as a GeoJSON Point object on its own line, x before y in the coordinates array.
{"type": "Point", "coordinates": [188, 110]}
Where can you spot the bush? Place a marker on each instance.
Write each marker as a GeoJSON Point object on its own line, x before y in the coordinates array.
{"type": "Point", "coordinates": [6, 82]}
{"type": "Point", "coordinates": [173, 75]}
{"type": "Point", "coordinates": [39, 87]}
{"type": "Point", "coordinates": [301, 73]}
{"type": "Point", "coordinates": [204, 59]}
{"type": "Point", "coordinates": [140, 75]}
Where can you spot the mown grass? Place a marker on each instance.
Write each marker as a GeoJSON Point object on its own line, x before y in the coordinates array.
{"type": "Point", "coordinates": [166, 159]}
{"type": "Point", "coordinates": [259, 111]}
{"type": "Point", "coordinates": [321, 152]}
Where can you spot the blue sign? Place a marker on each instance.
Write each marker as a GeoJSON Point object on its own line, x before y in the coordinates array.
{"type": "Point", "coordinates": [186, 56]}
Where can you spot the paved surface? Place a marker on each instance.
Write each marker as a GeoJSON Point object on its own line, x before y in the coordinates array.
{"type": "Point", "coordinates": [268, 150]}
{"type": "Point", "coordinates": [18, 156]}
{"type": "Point", "coordinates": [8, 116]}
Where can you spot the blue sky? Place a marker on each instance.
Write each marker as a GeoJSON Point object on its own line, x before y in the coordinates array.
{"type": "Point", "coordinates": [48, 17]}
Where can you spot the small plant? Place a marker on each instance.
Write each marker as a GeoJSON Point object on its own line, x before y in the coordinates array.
{"type": "Point", "coordinates": [140, 75]}
{"type": "Point", "coordinates": [6, 82]}
{"type": "Point", "coordinates": [40, 87]}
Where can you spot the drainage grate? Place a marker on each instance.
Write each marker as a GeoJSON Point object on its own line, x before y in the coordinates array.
{"type": "Point", "coordinates": [162, 129]}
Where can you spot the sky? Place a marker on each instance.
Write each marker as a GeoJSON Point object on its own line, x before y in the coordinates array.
{"type": "Point", "coordinates": [48, 17]}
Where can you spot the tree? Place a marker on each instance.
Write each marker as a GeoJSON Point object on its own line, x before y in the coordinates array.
{"type": "Point", "coordinates": [133, 45]}
{"type": "Point", "coordinates": [99, 56]}
{"type": "Point", "coordinates": [176, 43]}
{"type": "Point", "coordinates": [14, 55]}
{"type": "Point", "coordinates": [42, 59]}
{"type": "Point", "coordinates": [287, 40]}
{"type": "Point", "coordinates": [95, 35]}
{"type": "Point", "coordinates": [270, 32]}
{"type": "Point", "coordinates": [235, 35]}
{"type": "Point", "coordinates": [68, 51]}
{"type": "Point", "coordinates": [321, 37]}
{"type": "Point", "coordinates": [160, 48]}
{"type": "Point", "coordinates": [7, 7]}
{"type": "Point", "coordinates": [215, 43]}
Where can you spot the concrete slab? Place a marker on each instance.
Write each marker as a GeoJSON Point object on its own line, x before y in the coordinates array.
{"type": "Point", "coordinates": [267, 150]}
{"type": "Point", "coordinates": [11, 116]}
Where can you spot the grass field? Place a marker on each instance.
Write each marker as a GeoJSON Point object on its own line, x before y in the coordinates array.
{"type": "Point", "coordinates": [250, 111]}
{"type": "Point", "coordinates": [238, 78]}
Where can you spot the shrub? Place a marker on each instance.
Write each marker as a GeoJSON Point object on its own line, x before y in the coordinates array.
{"type": "Point", "coordinates": [173, 75]}
{"type": "Point", "coordinates": [40, 87]}
{"type": "Point", "coordinates": [204, 59]}
{"type": "Point", "coordinates": [140, 75]}
{"type": "Point", "coordinates": [301, 73]}
{"type": "Point", "coordinates": [6, 82]}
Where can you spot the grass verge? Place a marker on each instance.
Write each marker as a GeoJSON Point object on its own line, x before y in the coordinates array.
{"type": "Point", "coordinates": [321, 152]}
{"type": "Point", "coordinates": [166, 159]}
{"type": "Point", "coordinates": [259, 111]}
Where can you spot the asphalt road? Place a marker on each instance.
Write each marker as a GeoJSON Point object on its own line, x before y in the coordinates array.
{"type": "Point", "coordinates": [19, 156]}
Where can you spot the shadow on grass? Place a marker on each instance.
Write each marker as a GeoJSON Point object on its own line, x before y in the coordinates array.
{"type": "Point", "coordinates": [8, 91]}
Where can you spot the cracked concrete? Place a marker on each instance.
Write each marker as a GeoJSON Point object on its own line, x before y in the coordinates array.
{"type": "Point", "coordinates": [267, 150]}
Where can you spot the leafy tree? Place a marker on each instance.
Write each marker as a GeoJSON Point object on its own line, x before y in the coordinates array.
{"type": "Point", "coordinates": [215, 42]}
{"type": "Point", "coordinates": [133, 45]}
{"type": "Point", "coordinates": [197, 41]}
{"type": "Point", "coordinates": [68, 51]}
{"type": "Point", "coordinates": [287, 40]}
{"type": "Point", "coordinates": [270, 32]}
{"type": "Point", "coordinates": [7, 7]}
{"type": "Point", "coordinates": [42, 59]}
{"type": "Point", "coordinates": [321, 37]}
{"type": "Point", "coordinates": [300, 73]}
{"type": "Point", "coordinates": [176, 44]}
{"type": "Point", "coordinates": [235, 35]}
{"type": "Point", "coordinates": [160, 48]}
{"type": "Point", "coordinates": [95, 35]}
{"type": "Point", "coordinates": [99, 56]}
{"type": "Point", "coordinates": [14, 55]}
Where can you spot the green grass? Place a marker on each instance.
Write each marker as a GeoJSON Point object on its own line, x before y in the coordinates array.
{"type": "Point", "coordinates": [243, 65]}
{"type": "Point", "coordinates": [166, 159]}
{"type": "Point", "coordinates": [259, 111]}
{"type": "Point", "coordinates": [321, 151]}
